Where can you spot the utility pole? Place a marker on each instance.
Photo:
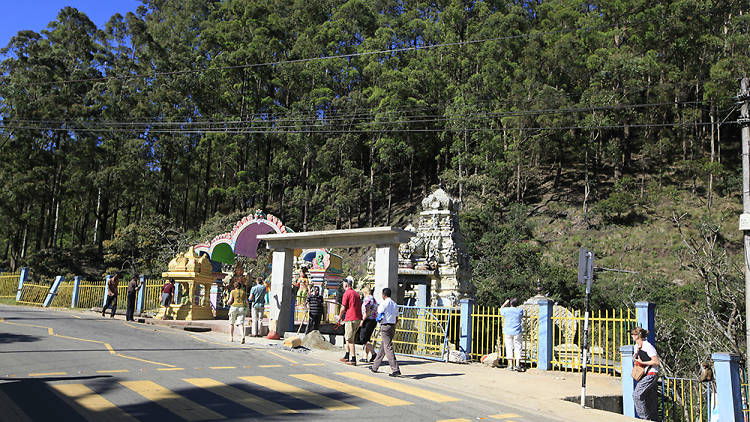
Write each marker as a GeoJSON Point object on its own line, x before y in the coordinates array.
{"type": "Point", "coordinates": [744, 122]}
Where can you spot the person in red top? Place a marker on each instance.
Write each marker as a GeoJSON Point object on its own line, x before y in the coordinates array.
{"type": "Point", "coordinates": [167, 291]}
{"type": "Point", "coordinates": [351, 314]}
{"type": "Point", "coordinates": [112, 284]}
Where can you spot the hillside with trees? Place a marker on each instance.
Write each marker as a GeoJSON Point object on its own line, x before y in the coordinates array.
{"type": "Point", "coordinates": [557, 124]}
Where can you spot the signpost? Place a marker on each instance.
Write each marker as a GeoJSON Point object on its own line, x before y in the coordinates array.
{"type": "Point", "coordinates": [585, 275]}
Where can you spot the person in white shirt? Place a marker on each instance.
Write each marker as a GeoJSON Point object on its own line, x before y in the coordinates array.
{"type": "Point", "coordinates": [645, 391]}
{"type": "Point", "coordinates": [388, 317]}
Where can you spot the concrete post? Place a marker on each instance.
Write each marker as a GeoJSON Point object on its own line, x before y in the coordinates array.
{"type": "Point", "coordinates": [628, 384]}
{"type": "Point", "coordinates": [53, 291]}
{"type": "Point", "coordinates": [644, 317]}
{"type": "Point", "coordinates": [104, 298]}
{"type": "Point", "coordinates": [140, 300]}
{"type": "Point", "coordinates": [21, 279]}
{"type": "Point", "coordinates": [423, 295]}
{"type": "Point", "coordinates": [386, 270]}
{"type": "Point", "coordinates": [280, 295]}
{"type": "Point", "coordinates": [545, 347]}
{"type": "Point", "coordinates": [76, 288]}
{"type": "Point", "coordinates": [467, 329]}
{"type": "Point", "coordinates": [728, 389]}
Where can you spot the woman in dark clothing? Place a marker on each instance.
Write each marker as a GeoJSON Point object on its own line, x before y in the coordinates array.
{"type": "Point", "coordinates": [314, 304]}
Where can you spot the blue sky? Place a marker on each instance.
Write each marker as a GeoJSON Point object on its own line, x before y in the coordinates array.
{"type": "Point", "coordinates": [18, 15]}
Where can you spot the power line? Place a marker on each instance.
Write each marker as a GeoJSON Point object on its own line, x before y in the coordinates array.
{"type": "Point", "coordinates": [274, 119]}
{"type": "Point", "coordinates": [353, 130]}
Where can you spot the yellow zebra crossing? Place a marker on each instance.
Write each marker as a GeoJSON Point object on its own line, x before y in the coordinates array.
{"type": "Point", "coordinates": [95, 407]}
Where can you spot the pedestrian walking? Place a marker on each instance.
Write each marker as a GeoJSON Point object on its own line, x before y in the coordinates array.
{"type": "Point", "coordinates": [258, 301]}
{"type": "Point", "coordinates": [370, 313]}
{"type": "Point", "coordinates": [167, 291]}
{"type": "Point", "coordinates": [133, 285]}
{"type": "Point", "coordinates": [351, 314]}
{"type": "Point", "coordinates": [112, 285]}
{"type": "Point", "coordinates": [645, 391]}
{"type": "Point", "coordinates": [512, 315]}
{"type": "Point", "coordinates": [237, 309]}
{"type": "Point", "coordinates": [388, 318]}
{"type": "Point", "coordinates": [314, 304]}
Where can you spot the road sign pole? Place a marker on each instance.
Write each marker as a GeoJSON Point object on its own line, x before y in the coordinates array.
{"type": "Point", "coordinates": [585, 344]}
{"type": "Point", "coordinates": [585, 275]}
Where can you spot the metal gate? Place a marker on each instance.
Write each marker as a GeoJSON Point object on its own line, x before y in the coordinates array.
{"type": "Point", "coordinates": [422, 332]}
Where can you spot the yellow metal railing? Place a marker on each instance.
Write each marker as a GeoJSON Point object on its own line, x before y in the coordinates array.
{"type": "Point", "coordinates": [91, 294]}
{"type": "Point", "coordinates": [9, 284]}
{"type": "Point", "coordinates": [684, 399]}
{"type": "Point", "coordinates": [608, 330]}
{"type": "Point", "coordinates": [152, 290]}
{"type": "Point", "coordinates": [122, 295]}
{"type": "Point", "coordinates": [34, 294]}
{"type": "Point", "coordinates": [421, 332]}
{"type": "Point", "coordinates": [487, 333]}
{"type": "Point", "coordinates": [64, 295]}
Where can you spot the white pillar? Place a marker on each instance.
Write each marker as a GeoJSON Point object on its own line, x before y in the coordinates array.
{"type": "Point", "coordinates": [281, 290]}
{"type": "Point", "coordinates": [386, 270]}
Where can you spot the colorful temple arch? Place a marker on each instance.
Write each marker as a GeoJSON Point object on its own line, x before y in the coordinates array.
{"type": "Point", "coordinates": [243, 239]}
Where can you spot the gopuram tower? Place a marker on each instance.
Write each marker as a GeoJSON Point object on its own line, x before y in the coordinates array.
{"type": "Point", "coordinates": [436, 257]}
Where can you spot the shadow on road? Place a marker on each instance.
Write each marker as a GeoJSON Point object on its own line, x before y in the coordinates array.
{"type": "Point", "coordinates": [423, 376]}
{"type": "Point", "coordinates": [6, 338]}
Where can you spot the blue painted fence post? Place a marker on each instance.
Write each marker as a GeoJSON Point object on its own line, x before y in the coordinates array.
{"type": "Point", "coordinates": [628, 407]}
{"type": "Point", "coordinates": [728, 389]}
{"type": "Point", "coordinates": [74, 296]}
{"type": "Point", "coordinates": [546, 345]}
{"type": "Point", "coordinates": [140, 301]}
{"type": "Point", "coordinates": [104, 298]}
{"type": "Point", "coordinates": [644, 317]}
{"type": "Point", "coordinates": [21, 280]}
{"type": "Point", "coordinates": [467, 309]}
{"type": "Point", "coordinates": [53, 291]}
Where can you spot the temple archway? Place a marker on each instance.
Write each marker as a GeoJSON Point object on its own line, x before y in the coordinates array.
{"type": "Point", "coordinates": [243, 239]}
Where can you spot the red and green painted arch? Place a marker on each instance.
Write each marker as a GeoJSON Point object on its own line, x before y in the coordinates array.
{"type": "Point", "coordinates": [243, 239]}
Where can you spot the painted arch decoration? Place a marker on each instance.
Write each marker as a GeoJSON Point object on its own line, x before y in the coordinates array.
{"type": "Point", "coordinates": [243, 239]}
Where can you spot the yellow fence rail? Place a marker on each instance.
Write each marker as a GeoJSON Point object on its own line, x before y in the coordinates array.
{"type": "Point", "coordinates": [34, 294]}
{"type": "Point", "coordinates": [9, 284]}
{"type": "Point", "coordinates": [152, 290]}
{"type": "Point", "coordinates": [608, 330]}
{"type": "Point", "coordinates": [91, 294]}
{"type": "Point", "coordinates": [64, 295]}
{"type": "Point", "coordinates": [421, 332]}
{"type": "Point", "coordinates": [685, 400]}
{"type": "Point", "coordinates": [487, 335]}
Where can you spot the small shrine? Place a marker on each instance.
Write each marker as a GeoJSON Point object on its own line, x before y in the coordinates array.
{"type": "Point", "coordinates": [435, 261]}
{"type": "Point", "coordinates": [325, 270]}
{"type": "Point", "coordinates": [193, 279]}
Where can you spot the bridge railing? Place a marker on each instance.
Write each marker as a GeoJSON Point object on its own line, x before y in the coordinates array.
{"type": "Point", "coordinates": [685, 399]}
{"type": "Point", "coordinates": [91, 293]}
{"type": "Point", "coordinates": [608, 330]}
{"type": "Point", "coordinates": [9, 284]}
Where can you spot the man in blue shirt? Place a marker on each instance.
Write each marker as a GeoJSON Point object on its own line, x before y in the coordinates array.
{"type": "Point", "coordinates": [258, 301]}
{"type": "Point", "coordinates": [512, 333]}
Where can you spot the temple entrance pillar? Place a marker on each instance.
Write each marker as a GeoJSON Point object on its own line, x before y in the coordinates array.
{"type": "Point", "coordinates": [386, 270]}
{"type": "Point", "coordinates": [280, 318]}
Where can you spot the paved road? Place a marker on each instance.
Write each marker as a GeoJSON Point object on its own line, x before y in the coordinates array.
{"type": "Point", "coordinates": [64, 366]}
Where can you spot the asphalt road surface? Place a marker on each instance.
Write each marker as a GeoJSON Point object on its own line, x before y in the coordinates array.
{"type": "Point", "coordinates": [65, 366]}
